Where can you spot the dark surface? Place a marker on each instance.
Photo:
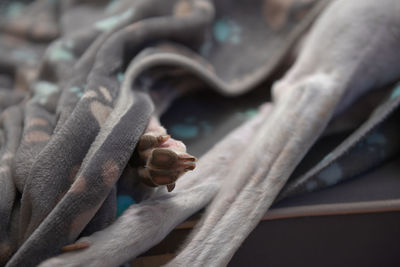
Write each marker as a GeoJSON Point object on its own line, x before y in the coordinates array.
{"type": "Point", "coordinates": [212, 115]}
{"type": "Point", "coordinates": [351, 240]}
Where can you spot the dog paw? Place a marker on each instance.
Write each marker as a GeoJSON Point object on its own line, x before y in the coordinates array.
{"type": "Point", "coordinates": [163, 160]}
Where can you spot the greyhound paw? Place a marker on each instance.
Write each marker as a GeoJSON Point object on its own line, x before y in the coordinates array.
{"type": "Point", "coordinates": [163, 159]}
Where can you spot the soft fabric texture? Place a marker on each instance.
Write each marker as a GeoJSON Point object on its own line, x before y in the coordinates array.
{"type": "Point", "coordinates": [74, 106]}
{"type": "Point", "coordinates": [79, 81]}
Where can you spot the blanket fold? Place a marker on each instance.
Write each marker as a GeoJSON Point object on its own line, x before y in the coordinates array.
{"type": "Point", "coordinates": [79, 81]}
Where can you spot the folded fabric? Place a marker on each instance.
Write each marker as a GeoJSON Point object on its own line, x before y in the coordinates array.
{"type": "Point", "coordinates": [76, 77]}
{"type": "Point", "coordinates": [371, 144]}
{"type": "Point", "coordinates": [78, 84]}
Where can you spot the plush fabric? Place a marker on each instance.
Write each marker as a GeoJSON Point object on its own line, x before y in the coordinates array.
{"type": "Point", "coordinates": [75, 81]}
{"type": "Point", "coordinates": [371, 144]}
{"type": "Point", "coordinates": [79, 81]}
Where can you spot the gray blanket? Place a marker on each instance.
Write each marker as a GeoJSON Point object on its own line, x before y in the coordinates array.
{"type": "Point", "coordinates": [77, 86]}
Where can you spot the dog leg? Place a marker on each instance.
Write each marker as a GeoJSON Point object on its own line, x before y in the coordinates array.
{"type": "Point", "coordinates": [145, 224]}
{"type": "Point", "coordinates": [352, 49]}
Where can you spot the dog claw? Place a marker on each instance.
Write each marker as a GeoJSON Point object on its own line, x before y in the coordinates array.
{"type": "Point", "coordinates": [171, 187]}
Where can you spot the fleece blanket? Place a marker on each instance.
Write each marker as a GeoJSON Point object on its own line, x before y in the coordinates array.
{"type": "Point", "coordinates": [79, 82]}
{"type": "Point", "coordinates": [75, 79]}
